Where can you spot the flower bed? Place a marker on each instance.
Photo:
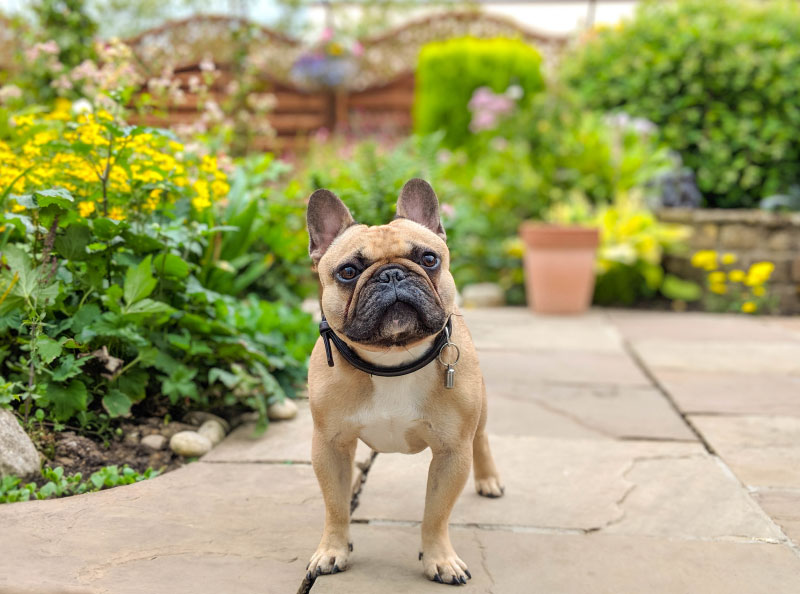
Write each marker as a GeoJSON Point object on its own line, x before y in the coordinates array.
{"type": "Point", "coordinates": [753, 236]}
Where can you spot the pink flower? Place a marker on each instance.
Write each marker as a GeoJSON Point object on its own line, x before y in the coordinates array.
{"type": "Point", "coordinates": [357, 49]}
{"type": "Point", "coordinates": [448, 210]}
{"type": "Point", "coordinates": [326, 35]}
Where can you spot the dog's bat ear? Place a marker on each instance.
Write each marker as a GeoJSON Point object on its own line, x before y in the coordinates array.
{"type": "Point", "coordinates": [418, 203]}
{"type": "Point", "coordinates": [326, 217]}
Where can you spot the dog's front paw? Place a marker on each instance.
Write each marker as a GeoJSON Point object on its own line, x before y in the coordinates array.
{"type": "Point", "coordinates": [489, 487]}
{"type": "Point", "coordinates": [328, 559]}
{"type": "Point", "coordinates": [445, 567]}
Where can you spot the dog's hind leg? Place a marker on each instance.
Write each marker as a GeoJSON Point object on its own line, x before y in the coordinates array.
{"type": "Point", "coordinates": [487, 479]}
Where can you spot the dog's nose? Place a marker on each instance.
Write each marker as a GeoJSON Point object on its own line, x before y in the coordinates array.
{"type": "Point", "coordinates": [391, 274]}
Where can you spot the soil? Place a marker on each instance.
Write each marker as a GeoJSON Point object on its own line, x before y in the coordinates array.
{"type": "Point", "coordinates": [78, 453]}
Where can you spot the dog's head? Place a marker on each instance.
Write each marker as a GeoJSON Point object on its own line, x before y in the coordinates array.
{"type": "Point", "coordinates": [387, 285]}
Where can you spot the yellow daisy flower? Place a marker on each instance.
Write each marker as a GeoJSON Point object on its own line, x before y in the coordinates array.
{"type": "Point", "coordinates": [749, 307]}
{"type": "Point", "coordinates": [737, 275]}
{"type": "Point", "coordinates": [86, 208]}
{"type": "Point", "coordinates": [116, 213]}
{"type": "Point", "coordinates": [729, 258]}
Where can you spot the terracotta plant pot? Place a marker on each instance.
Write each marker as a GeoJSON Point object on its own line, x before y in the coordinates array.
{"type": "Point", "coordinates": [559, 267]}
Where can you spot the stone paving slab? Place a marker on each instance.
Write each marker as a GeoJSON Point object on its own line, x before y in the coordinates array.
{"type": "Point", "coordinates": [762, 451]}
{"type": "Point", "coordinates": [697, 326]}
{"type": "Point", "coordinates": [516, 328]}
{"type": "Point", "coordinates": [599, 412]}
{"type": "Point", "coordinates": [784, 508]}
{"type": "Point", "coordinates": [742, 356]}
{"type": "Point", "coordinates": [513, 371]}
{"type": "Point", "coordinates": [732, 393]}
{"type": "Point", "coordinates": [649, 488]}
{"type": "Point", "coordinates": [230, 528]}
{"type": "Point", "coordinates": [284, 441]}
{"type": "Point", "coordinates": [510, 563]}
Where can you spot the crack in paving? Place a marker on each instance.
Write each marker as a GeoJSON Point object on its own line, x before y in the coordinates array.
{"type": "Point", "coordinates": [358, 486]}
{"type": "Point", "coordinates": [484, 561]}
{"type": "Point", "coordinates": [707, 445]}
{"type": "Point", "coordinates": [639, 362]}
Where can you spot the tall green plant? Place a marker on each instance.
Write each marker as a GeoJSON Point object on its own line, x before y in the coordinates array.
{"type": "Point", "coordinates": [450, 71]}
{"type": "Point", "coordinates": [719, 77]}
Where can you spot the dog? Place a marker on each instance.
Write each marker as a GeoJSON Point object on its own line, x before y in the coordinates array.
{"type": "Point", "coordinates": [402, 373]}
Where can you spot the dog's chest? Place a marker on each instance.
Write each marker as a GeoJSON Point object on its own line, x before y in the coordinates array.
{"type": "Point", "coordinates": [392, 414]}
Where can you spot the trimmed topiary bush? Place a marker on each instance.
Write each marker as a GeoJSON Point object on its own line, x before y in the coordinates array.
{"type": "Point", "coordinates": [449, 72]}
{"type": "Point", "coordinates": [720, 78]}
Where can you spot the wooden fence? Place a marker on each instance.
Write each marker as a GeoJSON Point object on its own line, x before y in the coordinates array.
{"type": "Point", "coordinates": [378, 98]}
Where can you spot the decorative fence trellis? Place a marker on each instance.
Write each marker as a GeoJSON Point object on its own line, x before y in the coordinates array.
{"type": "Point", "coordinates": [379, 97]}
{"type": "Point", "coordinates": [8, 47]}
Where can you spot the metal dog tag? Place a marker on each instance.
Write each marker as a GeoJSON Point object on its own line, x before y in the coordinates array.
{"type": "Point", "coordinates": [450, 371]}
{"type": "Point", "coordinates": [450, 377]}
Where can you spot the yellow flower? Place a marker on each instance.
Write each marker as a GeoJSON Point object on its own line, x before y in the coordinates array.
{"type": "Point", "coordinates": [736, 276]}
{"type": "Point", "coordinates": [116, 213]}
{"type": "Point", "coordinates": [719, 288]}
{"type": "Point", "coordinates": [706, 259]}
{"type": "Point", "coordinates": [749, 307]}
{"type": "Point", "coordinates": [717, 278]}
{"type": "Point", "coordinates": [201, 202]}
{"type": "Point", "coordinates": [759, 273]}
{"type": "Point", "coordinates": [759, 291]}
{"type": "Point", "coordinates": [220, 188]}
{"type": "Point", "coordinates": [17, 207]}
{"type": "Point", "coordinates": [729, 258]}
{"type": "Point", "coordinates": [86, 208]}
{"type": "Point", "coordinates": [152, 201]}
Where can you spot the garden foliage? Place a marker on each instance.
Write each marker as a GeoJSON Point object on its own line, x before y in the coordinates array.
{"type": "Point", "coordinates": [449, 72]}
{"type": "Point", "coordinates": [122, 277]}
{"type": "Point", "coordinates": [719, 77]}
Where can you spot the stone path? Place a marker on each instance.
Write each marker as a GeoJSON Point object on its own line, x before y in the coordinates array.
{"type": "Point", "coordinates": [643, 453]}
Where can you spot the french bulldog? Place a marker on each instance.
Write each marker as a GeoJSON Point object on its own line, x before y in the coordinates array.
{"type": "Point", "coordinates": [388, 299]}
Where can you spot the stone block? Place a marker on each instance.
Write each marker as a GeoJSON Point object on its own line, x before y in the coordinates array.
{"type": "Point", "coordinates": [740, 237]}
{"type": "Point", "coordinates": [705, 236]}
{"type": "Point", "coordinates": [782, 240]}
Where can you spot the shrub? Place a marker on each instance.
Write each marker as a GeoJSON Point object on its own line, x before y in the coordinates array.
{"type": "Point", "coordinates": [450, 71]}
{"type": "Point", "coordinates": [720, 78]}
{"type": "Point", "coordinates": [110, 237]}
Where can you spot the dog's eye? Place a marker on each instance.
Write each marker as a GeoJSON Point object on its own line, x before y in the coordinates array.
{"type": "Point", "coordinates": [429, 260]}
{"type": "Point", "coordinates": [347, 273]}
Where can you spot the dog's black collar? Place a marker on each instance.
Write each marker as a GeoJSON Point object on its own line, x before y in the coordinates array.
{"type": "Point", "coordinates": [328, 336]}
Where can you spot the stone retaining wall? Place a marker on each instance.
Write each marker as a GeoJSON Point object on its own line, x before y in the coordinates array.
{"type": "Point", "coordinates": [752, 235]}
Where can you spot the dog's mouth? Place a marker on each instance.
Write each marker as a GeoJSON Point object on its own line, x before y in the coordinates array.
{"type": "Point", "coordinates": [397, 312]}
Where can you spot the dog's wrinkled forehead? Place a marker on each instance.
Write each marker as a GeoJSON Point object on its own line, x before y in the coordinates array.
{"type": "Point", "coordinates": [399, 239]}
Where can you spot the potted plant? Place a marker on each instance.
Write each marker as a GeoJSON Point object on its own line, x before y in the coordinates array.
{"type": "Point", "coordinates": [559, 259]}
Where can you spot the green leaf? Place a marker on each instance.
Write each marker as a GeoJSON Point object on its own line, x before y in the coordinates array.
{"type": "Point", "coordinates": [229, 379]}
{"type": "Point", "coordinates": [69, 368]}
{"type": "Point", "coordinates": [180, 384]}
{"type": "Point", "coordinates": [47, 348]}
{"type": "Point", "coordinates": [106, 229]}
{"type": "Point", "coordinates": [171, 265]}
{"type": "Point", "coordinates": [134, 383]}
{"type": "Point", "coordinates": [117, 403]}
{"type": "Point", "coordinates": [67, 399]}
{"type": "Point", "coordinates": [72, 245]}
{"type": "Point", "coordinates": [57, 196]}
{"type": "Point", "coordinates": [139, 282]}
{"type": "Point", "coordinates": [678, 288]}
{"type": "Point", "coordinates": [146, 306]}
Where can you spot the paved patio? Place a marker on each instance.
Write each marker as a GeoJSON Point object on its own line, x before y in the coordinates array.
{"type": "Point", "coordinates": [642, 453]}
